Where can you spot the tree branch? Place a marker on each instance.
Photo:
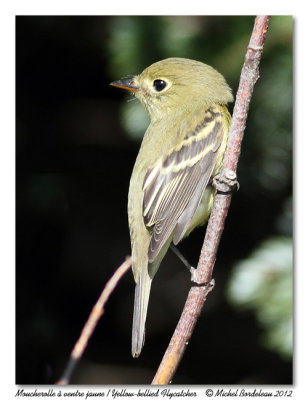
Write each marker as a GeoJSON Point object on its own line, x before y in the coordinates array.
{"type": "Point", "coordinates": [90, 325]}
{"type": "Point", "coordinates": [203, 274]}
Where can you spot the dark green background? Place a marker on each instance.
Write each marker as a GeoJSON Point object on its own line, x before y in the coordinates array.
{"type": "Point", "coordinates": [73, 163]}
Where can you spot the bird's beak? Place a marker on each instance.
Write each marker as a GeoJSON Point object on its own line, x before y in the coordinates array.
{"type": "Point", "coordinates": [127, 84]}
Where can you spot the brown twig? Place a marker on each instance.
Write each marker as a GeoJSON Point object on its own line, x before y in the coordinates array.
{"type": "Point", "coordinates": [96, 313]}
{"type": "Point", "coordinates": [203, 275]}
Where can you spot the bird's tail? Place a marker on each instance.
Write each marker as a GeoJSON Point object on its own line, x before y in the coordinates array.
{"type": "Point", "coordinates": [142, 294]}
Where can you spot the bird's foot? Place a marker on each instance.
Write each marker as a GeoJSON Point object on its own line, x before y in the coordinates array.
{"type": "Point", "coordinates": [226, 181]}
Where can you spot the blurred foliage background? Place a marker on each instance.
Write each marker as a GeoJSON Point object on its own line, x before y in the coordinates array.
{"type": "Point", "coordinates": [76, 142]}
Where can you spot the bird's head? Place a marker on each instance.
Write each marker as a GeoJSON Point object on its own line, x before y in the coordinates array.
{"type": "Point", "coordinates": [177, 85]}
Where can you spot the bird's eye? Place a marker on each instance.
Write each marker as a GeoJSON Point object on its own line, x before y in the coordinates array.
{"type": "Point", "coordinates": [159, 85]}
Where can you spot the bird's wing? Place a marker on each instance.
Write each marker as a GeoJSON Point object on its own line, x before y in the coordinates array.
{"type": "Point", "coordinates": [173, 187]}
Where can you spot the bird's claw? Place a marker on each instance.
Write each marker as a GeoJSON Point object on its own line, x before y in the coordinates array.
{"type": "Point", "coordinates": [226, 181]}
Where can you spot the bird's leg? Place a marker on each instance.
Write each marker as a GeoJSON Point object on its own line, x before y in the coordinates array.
{"type": "Point", "coordinates": [193, 271]}
{"type": "Point", "coordinates": [177, 252]}
{"type": "Point", "coordinates": [225, 182]}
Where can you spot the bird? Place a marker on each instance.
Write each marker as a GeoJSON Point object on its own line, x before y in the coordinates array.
{"type": "Point", "coordinates": [170, 191]}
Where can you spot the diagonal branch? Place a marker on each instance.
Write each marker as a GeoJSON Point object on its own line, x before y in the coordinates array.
{"type": "Point", "coordinates": [203, 275]}
{"type": "Point", "coordinates": [90, 325]}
